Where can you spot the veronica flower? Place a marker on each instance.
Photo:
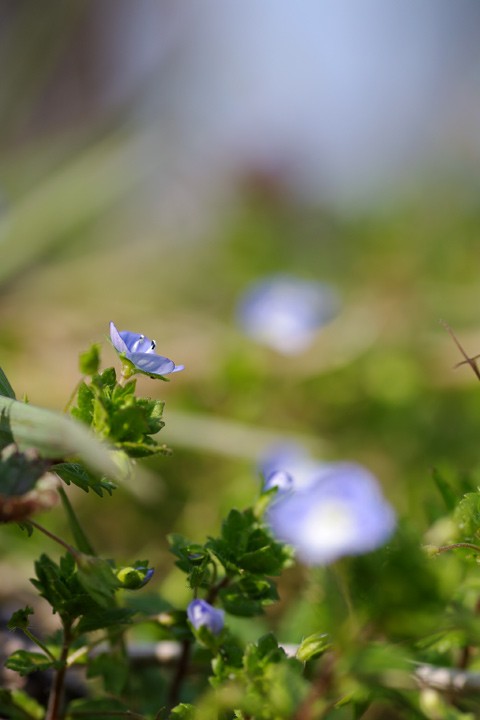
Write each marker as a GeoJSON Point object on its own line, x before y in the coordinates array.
{"type": "Point", "coordinates": [201, 613]}
{"type": "Point", "coordinates": [139, 353]}
{"type": "Point", "coordinates": [342, 513]}
{"type": "Point", "coordinates": [285, 312]}
{"type": "Point", "coordinates": [288, 466]}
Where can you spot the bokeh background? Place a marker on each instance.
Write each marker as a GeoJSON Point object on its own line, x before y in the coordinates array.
{"type": "Point", "coordinates": [158, 157]}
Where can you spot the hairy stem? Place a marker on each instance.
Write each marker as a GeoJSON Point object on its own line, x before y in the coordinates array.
{"type": "Point", "coordinates": [54, 537]}
{"type": "Point", "coordinates": [454, 546]}
{"type": "Point", "coordinates": [55, 701]}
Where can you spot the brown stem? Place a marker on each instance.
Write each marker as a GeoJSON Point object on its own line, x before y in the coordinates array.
{"type": "Point", "coordinates": [320, 687]}
{"type": "Point", "coordinates": [180, 673]}
{"type": "Point", "coordinates": [107, 713]}
{"type": "Point", "coordinates": [454, 546]}
{"type": "Point", "coordinates": [54, 537]}
{"type": "Point", "coordinates": [55, 701]}
{"type": "Point", "coordinates": [184, 659]}
{"type": "Point", "coordinates": [468, 360]}
{"type": "Point", "coordinates": [213, 592]}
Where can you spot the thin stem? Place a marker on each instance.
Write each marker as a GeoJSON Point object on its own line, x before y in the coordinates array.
{"type": "Point", "coordinates": [55, 702]}
{"type": "Point", "coordinates": [54, 537]}
{"type": "Point", "coordinates": [107, 713]}
{"type": "Point", "coordinates": [72, 396]}
{"type": "Point", "coordinates": [454, 546]}
{"type": "Point", "coordinates": [180, 673]}
{"type": "Point", "coordinates": [39, 644]}
{"type": "Point", "coordinates": [184, 659]}
{"type": "Point", "coordinates": [468, 360]}
{"type": "Point", "coordinates": [213, 593]}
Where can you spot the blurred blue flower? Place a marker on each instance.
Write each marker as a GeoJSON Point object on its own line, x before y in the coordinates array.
{"type": "Point", "coordinates": [342, 513]}
{"type": "Point", "coordinates": [139, 352]}
{"type": "Point", "coordinates": [201, 613]}
{"type": "Point", "coordinates": [288, 466]}
{"type": "Point", "coordinates": [285, 312]}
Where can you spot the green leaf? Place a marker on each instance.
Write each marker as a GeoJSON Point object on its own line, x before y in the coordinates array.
{"type": "Point", "coordinates": [84, 410]}
{"type": "Point", "coordinates": [25, 662]}
{"type": "Point", "coordinates": [98, 709]}
{"type": "Point", "coordinates": [313, 646]}
{"type": "Point", "coordinates": [261, 654]}
{"type": "Point", "coordinates": [89, 361]}
{"type": "Point", "coordinates": [193, 559]}
{"type": "Point", "coordinates": [19, 619]}
{"type": "Point", "coordinates": [17, 705]}
{"type": "Point", "coordinates": [5, 387]}
{"type": "Point", "coordinates": [96, 576]}
{"type": "Point", "coordinates": [248, 596]}
{"type": "Point", "coordinates": [184, 711]}
{"type": "Point", "coordinates": [449, 497]}
{"type": "Point", "coordinates": [79, 536]}
{"type": "Point", "coordinates": [112, 667]}
{"type": "Point", "coordinates": [467, 516]}
{"type": "Point", "coordinates": [60, 586]}
{"type": "Point", "coordinates": [78, 475]}
{"type": "Point", "coordinates": [99, 618]}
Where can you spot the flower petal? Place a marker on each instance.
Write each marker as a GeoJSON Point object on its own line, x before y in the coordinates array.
{"type": "Point", "coordinates": [117, 340]}
{"type": "Point", "coordinates": [151, 363]}
{"type": "Point", "coordinates": [201, 613]}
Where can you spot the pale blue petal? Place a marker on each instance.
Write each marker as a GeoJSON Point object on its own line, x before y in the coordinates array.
{"type": "Point", "coordinates": [117, 339]}
{"type": "Point", "coordinates": [151, 363]}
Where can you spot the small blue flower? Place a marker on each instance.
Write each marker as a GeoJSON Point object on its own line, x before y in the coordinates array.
{"type": "Point", "coordinates": [139, 353]}
{"type": "Point", "coordinates": [288, 466]}
{"type": "Point", "coordinates": [285, 312]}
{"type": "Point", "coordinates": [342, 513]}
{"type": "Point", "coordinates": [201, 613]}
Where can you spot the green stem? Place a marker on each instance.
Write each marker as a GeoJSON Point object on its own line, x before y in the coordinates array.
{"type": "Point", "coordinates": [72, 396]}
{"type": "Point", "coordinates": [80, 538]}
{"type": "Point", "coordinates": [39, 643]}
{"type": "Point", "coordinates": [454, 546]}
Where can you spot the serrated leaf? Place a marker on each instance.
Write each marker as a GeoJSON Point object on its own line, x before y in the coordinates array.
{"type": "Point", "coordinates": [78, 475]}
{"type": "Point", "coordinates": [25, 662]}
{"type": "Point", "coordinates": [19, 619]}
{"type": "Point", "coordinates": [248, 596]}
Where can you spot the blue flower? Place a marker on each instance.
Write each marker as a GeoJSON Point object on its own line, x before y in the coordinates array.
{"type": "Point", "coordinates": [139, 353]}
{"type": "Point", "coordinates": [288, 466]}
{"type": "Point", "coordinates": [285, 312]}
{"type": "Point", "coordinates": [342, 513]}
{"type": "Point", "coordinates": [202, 614]}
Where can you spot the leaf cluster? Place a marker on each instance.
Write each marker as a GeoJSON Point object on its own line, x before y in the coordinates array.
{"type": "Point", "coordinates": [237, 566]}
{"type": "Point", "coordinates": [114, 412]}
